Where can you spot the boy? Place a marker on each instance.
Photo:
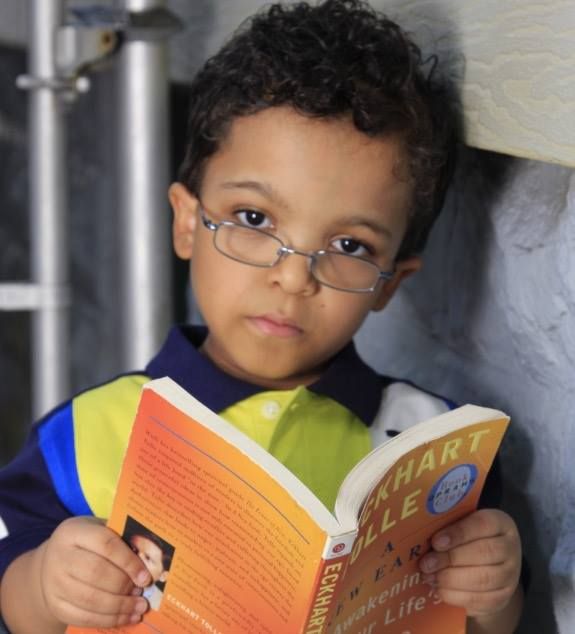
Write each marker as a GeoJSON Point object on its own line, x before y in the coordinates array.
{"type": "Point", "coordinates": [157, 556]}
{"type": "Point", "coordinates": [318, 154]}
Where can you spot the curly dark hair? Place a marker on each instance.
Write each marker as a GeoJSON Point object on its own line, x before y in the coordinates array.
{"type": "Point", "coordinates": [337, 59]}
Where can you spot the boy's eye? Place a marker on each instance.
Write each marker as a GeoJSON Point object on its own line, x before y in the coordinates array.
{"type": "Point", "coordinates": [252, 218]}
{"type": "Point", "coordinates": [352, 247]}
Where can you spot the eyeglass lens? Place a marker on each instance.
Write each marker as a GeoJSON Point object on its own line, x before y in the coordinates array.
{"type": "Point", "coordinates": [247, 244]}
{"type": "Point", "coordinates": [345, 271]}
{"type": "Point", "coordinates": [252, 246]}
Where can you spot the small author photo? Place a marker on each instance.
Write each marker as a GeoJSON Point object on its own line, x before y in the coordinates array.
{"type": "Point", "coordinates": [155, 552]}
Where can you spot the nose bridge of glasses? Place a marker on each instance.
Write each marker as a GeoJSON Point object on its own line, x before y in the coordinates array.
{"type": "Point", "coordinates": [310, 256]}
{"type": "Point", "coordinates": [294, 274]}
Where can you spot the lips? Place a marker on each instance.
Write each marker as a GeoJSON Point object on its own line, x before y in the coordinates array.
{"type": "Point", "coordinates": [276, 326]}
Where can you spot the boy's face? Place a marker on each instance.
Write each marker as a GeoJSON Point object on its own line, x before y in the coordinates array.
{"type": "Point", "coordinates": [152, 556]}
{"type": "Point", "coordinates": [313, 183]}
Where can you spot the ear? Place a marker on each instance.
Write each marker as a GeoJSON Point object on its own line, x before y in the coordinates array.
{"type": "Point", "coordinates": [403, 269]}
{"type": "Point", "coordinates": [185, 207]}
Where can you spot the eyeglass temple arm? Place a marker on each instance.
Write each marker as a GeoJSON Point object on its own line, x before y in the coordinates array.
{"type": "Point", "coordinates": [208, 224]}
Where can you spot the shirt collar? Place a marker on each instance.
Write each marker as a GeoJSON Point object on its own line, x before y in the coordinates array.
{"type": "Point", "coordinates": [347, 379]}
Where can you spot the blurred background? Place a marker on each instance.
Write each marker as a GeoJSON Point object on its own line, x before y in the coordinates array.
{"type": "Point", "coordinates": [489, 320]}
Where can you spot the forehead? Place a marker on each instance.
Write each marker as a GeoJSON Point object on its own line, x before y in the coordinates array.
{"type": "Point", "coordinates": [311, 160]}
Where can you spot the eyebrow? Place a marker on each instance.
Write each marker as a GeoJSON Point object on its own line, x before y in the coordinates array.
{"type": "Point", "coordinates": [262, 188]}
{"type": "Point", "coordinates": [364, 221]}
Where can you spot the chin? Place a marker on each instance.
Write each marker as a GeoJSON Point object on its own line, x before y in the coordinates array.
{"type": "Point", "coordinates": [283, 377]}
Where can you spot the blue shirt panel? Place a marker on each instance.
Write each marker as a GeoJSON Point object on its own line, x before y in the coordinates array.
{"type": "Point", "coordinates": [56, 442]}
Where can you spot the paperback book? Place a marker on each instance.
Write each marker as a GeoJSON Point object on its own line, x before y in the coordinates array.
{"type": "Point", "coordinates": [247, 548]}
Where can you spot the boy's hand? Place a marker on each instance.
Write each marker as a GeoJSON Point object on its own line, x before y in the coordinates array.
{"type": "Point", "coordinates": [90, 577]}
{"type": "Point", "coordinates": [475, 563]}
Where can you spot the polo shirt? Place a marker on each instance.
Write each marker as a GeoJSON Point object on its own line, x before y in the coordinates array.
{"type": "Point", "coordinates": [71, 461]}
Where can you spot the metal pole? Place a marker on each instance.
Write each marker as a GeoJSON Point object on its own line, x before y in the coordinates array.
{"type": "Point", "coordinates": [143, 182]}
{"type": "Point", "coordinates": [48, 212]}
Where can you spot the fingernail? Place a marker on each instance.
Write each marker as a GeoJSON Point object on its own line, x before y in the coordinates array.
{"type": "Point", "coordinates": [136, 592]}
{"type": "Point", "coordinates": [143, 578]}
{"type": "Point", "coordinates": [135, 618]}
{"type": "Point", "coordinates": [442, 541]}
{"type": "Point", "coordinates": [430, 563]}
{"type": "Point", "coordinates": [141, 607]}
{"type": "Point", "coordinates": [430, 580]}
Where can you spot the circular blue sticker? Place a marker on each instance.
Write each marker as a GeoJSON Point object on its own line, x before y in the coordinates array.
{"type": "Point", "coordinates": [451, 488]}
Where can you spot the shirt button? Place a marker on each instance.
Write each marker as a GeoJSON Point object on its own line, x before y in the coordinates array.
{"type": "Point", "coordinates": [271, 410]}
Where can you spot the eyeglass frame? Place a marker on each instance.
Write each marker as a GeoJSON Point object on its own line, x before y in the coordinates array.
{"type": "Point", "coordinates": [285, 250]}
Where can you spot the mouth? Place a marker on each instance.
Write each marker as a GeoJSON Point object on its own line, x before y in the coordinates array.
{"type": "Point", "coordinates": [276, 326]}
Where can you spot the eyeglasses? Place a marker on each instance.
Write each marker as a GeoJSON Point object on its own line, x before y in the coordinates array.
{"type": "Point", "coordinates": [253, 246]}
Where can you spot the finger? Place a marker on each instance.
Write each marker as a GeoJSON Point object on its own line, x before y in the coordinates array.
{"type": "Point", "coordinates": [478, 525]}
{"type": "Point", "coordinates": [73, 615]}
{"type": "Point", "coordinates": [103, 541]}
{"type": "Point", "coordinates": [476, 603]}
{"type": "Point", "coordinates": [434, 562]}
{"type": "Point", "coordinates": [84, 597]}
{"type": "Point", "coordinates": [478, 578]}
{"type": "Point", "coordinates": [489, 551]}
{"type": "Point", "coordinates": [93, 569]}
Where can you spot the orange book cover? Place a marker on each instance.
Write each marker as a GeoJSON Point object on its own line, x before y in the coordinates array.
{"type": "Point", "coordinates": [426, 489]}
{"type": "Point", "coordinates": [249, 549]}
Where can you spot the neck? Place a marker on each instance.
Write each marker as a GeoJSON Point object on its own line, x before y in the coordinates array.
{"type": "Point", "coordinates": [271, 383]}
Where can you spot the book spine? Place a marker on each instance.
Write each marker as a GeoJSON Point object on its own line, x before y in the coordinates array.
{"type": "Point", "coordinates": [328, 583]}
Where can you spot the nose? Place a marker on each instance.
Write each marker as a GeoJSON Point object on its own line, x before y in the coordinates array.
{"type": "Point", "coordinates": [293, 274]}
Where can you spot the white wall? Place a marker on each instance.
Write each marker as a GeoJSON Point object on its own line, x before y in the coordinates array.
{"type": "Point", "coordinates": [489, 320]}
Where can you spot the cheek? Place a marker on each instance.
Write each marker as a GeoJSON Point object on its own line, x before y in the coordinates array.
{"type": "Point", "coordinates": [346, 314]}
{"type": "Point", "coordinates": [218, 283]}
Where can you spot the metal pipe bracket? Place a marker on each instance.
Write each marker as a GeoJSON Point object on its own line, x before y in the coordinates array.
{"type": "Point", "coordinates": [25, 296]}
{"type": "Point", "coordinates": [91, 35]}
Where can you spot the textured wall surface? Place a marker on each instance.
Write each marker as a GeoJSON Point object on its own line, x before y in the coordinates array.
{"type": "Point", "coordinates": [488, 320]}
{"type": "Point", "coordinates": [516, 60]}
